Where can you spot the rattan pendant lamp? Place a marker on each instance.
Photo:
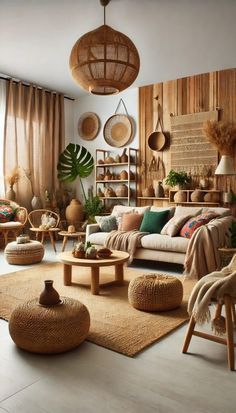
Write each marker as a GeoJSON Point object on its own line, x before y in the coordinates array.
{"type": "Point", "coordinates": [104, 61]}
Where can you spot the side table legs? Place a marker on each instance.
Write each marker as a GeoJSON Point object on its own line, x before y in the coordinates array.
{"type": "Point", "coordinates": [67, 274]}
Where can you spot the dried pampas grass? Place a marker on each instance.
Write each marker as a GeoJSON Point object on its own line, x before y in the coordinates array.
{"type": "Point", "coordinates": [222, 135]}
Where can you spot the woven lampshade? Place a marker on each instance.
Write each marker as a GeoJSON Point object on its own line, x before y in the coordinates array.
{"type": "Point", "coordinates": [104, 61]}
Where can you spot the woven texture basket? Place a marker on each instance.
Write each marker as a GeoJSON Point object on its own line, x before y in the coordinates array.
{"type": "Point", "coordinates": [49, 330]}
{"type": "Point", "coordinates": [155, 292]}
{"type": "Point", "coordinates": [22, 254]}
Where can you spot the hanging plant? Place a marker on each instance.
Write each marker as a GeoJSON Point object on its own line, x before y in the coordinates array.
{"type": "Point", "coordinates": [75, 161]}
{"type": "Point", "coordinates": [222, 135]}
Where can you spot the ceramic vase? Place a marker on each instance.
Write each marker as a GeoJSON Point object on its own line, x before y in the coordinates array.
{"type": "Point", "coordinates": [49, 296]}
{"type": "Point", "coordinates": [159, 190]}
{"type": "Point", "coordinates": [36, 202]}
{"type": "Point", "coordinates": [11, 195]}
{"type": "Point", "coordinates": [74, 212]}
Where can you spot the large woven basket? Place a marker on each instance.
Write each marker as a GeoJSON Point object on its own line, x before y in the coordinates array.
{"type": "Point", "coordinates": [48, 330]}
{"type": "Point", "coordinates": [155, 292]}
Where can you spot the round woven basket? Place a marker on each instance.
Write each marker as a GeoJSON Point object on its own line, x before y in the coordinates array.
{"type": "Point", "coordinates": [88, 126]}
{"type": "Point", "coordinates": [22, 254]}
{"type": "Point", "coordinates": [155, 292]}
{"type": "Point", "coordinates": [49, 330]}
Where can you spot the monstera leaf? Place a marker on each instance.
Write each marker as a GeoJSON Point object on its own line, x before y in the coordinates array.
{"type": "Point", "coordinates": [73, 162]}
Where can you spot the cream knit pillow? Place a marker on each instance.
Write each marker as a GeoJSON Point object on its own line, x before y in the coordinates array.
{"type": "Point", "coordinates": [174, 225]}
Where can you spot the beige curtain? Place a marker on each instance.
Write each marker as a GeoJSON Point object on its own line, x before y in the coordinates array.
{"type": "Point", "coordinates": [34, 136]}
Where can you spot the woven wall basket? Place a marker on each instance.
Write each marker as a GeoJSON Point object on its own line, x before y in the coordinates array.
{"type": "Point", "coordinates": [119, 129]}
{"type": "Point", "coordinates": [88, 126]}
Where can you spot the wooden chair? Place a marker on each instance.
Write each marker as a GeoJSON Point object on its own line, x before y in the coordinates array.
{"type": "Point", "coordinates": [13, 227]}
{"type": "Point", "coordinates": [229, 303]}
{"type": "Point", "coordinates": [35, 220]}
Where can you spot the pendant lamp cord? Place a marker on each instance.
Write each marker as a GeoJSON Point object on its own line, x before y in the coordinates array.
{"type": "Point", "coordinates": [104, 15]}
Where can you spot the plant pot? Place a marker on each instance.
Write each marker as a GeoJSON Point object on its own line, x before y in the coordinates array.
{"type": "Point", "coordinates": [74, 212]}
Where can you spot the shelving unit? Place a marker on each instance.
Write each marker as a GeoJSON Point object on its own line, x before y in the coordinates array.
{"type": "Point", "coordinates": [130, 166]}
{"type": "Point", "coordinates": [188, 196]}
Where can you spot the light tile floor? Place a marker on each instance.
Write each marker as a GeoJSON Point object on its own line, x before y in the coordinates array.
{"type": "Point", "coordinates": [92, 379]}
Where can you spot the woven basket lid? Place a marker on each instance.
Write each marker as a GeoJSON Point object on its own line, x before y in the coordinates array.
{"type": "Point", "coordinates": [118, 130]}
{"type": "Point", "coordinates": [88, 126]}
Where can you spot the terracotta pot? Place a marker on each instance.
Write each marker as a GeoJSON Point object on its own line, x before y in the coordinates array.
{"type": "Point", "coordinates": [122, 190]}
{"type": "Point", "coordinates": [124, 156]}
{"type": "Point", "coordinates": [197, 196]}
{"type": "Point", "coordinates": [180, 196]}
{"type": "Point", "coordinates": [49, 296]}
{"type": "Point", "coordinates": [74, 212]}
{"type": "Point", "coordinates": [123, 175]}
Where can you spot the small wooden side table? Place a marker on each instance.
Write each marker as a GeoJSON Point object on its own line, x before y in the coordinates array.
{"type": "Point", "coordinates": [226, 254]}
{"type": "Point", "coordinates": [77, 235]}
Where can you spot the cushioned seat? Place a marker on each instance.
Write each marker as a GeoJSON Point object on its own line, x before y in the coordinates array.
{"type": "Point", "coordinates": [164, 243]}
{"type": "Point", "coordinates": [155, 292]}
{"type": "Point", "coordinates": [98, 238]}
{"type": "Point", "coordinates": [23, 254]}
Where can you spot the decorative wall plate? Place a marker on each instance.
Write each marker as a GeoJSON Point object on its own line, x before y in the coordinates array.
{"type": "Point", "coordinates": [118, 130]}
{"type": "Point", "coordinates": [88, 126]}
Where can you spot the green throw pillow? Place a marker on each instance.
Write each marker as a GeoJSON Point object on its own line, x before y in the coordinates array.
{"type": "Point", "coordinates": [153, 222]}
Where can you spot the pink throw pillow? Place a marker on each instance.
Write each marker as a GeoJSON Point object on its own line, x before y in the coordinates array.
{"type": "Point", "coordinates": [130, 222]}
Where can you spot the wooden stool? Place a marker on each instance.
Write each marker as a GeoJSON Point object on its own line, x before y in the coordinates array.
{"type": "Point", "coordinates": [74, 235]}
{"type": "Point", "coordinates": [229, 303]}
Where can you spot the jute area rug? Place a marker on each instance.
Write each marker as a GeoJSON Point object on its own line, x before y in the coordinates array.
{"type": "Point", "coordinates": [114, 323]}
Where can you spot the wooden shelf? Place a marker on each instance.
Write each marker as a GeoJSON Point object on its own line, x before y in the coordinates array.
{"type": "Point", "coordinates": [114, 197]}
{"type": "Point", "coordinates": [152, 197]}
{"type": "Point", "coordinates": [105, 165]}
{"type": "Point", "coordinates": [195, 203]}
{"type": "Point", "coordinates": [114, 181]}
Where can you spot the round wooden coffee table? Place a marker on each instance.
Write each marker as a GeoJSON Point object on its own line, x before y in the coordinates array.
{"type": "Point", "coordinates": [118, 258]}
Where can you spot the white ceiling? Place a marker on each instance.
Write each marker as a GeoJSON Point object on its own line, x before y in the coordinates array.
{"type": "Point", "coordinates": [175, 38]}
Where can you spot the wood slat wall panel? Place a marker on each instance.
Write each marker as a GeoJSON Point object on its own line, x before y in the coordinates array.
{"type": "Point", "coordinates": [193, 94]}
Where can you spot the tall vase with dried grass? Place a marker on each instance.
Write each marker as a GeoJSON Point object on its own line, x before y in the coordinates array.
{"type": "Point", "coordinates": [223, 136]}
{"type": "Point", "coordinates": [12, 180]}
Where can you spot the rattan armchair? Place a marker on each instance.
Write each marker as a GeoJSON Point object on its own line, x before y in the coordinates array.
{"type": "Point", "coordinates": [35, 220]}
{"type": "Point", "coordinates": [15, 226]}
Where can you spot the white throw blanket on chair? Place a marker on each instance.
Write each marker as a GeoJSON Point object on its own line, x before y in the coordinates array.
{"type": "Point", "coordinates": [212, 286]}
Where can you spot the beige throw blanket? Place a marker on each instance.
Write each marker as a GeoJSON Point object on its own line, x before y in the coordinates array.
{"type": "Point", "coordinates": [202, 256]}
{"type": "Point", "coordinates": [125, 241]}
{"type": "Point", "coordinates": [212, 286]}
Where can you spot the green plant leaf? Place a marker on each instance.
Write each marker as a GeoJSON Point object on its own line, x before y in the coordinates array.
{"type": "Point", "coordinates": [74, 161]}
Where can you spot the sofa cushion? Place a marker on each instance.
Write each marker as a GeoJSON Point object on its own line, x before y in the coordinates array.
{"type": "Point", "coordinates": [174, 225]}
{"type": "Point", "coordinates": [223, 212]}
{"type": "Point", "coordinates": [153, 222]}
{"type": "Point", "coordinates": [106, 223]}
{"type": "Point", "coordinates": [121, 209]}
{"type": "Point", "coordinates": [189, 210]}
{"type": "Point", "coordinates": [141, 210]}
{"type": "Point", "coordinates": [130, 222]}
{"type": "Point", "coordinates": [164, 243]}
{"type": "Point", "coordinates": [195, 222]}
{"type": "Point", "coordinates": [160, 209]}
{"type": "Point", "coordinates": [98, 238]}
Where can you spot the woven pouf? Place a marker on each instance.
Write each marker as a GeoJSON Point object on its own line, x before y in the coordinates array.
{"type": "Point", "coordinates": [155, 292]}
{"type": "Point", "coordinates": [49, 330]}
{"type": "Point", "coordinates": [22, 254]}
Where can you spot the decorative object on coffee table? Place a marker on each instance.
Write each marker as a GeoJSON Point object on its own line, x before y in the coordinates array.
{"type": "Point", "coordinates": [23, 254]}
{"type": "Point", "coordinates": [155, 292]}
{"type": "Point", "coordinates": [118, 258]}
{"type": "Point", "coordinates": [50, 324]}
{"type": "Point", "coordinates": [43, 222]}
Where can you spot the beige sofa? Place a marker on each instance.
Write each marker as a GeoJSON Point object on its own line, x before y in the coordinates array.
{"type": "Point", "coordinates": [154, 247]}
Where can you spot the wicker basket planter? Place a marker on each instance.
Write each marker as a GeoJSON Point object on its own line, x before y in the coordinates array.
{"type": "Point", "coordinates": [155, 292]}
{"type": "Point", "coordinates": [48, 330]}
{"type": "Point", "coordinates": [23, 254]}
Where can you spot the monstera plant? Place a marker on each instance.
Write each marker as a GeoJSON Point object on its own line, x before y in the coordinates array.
{"type": "Point", "coordinates": [75, 162]}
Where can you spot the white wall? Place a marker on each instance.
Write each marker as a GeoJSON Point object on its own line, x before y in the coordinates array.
{"type": "Point", "coordinates": [104, 107]}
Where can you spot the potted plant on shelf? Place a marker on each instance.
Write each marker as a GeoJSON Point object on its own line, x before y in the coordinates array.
{"type": "Point", "coordinates": [179, 180]}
